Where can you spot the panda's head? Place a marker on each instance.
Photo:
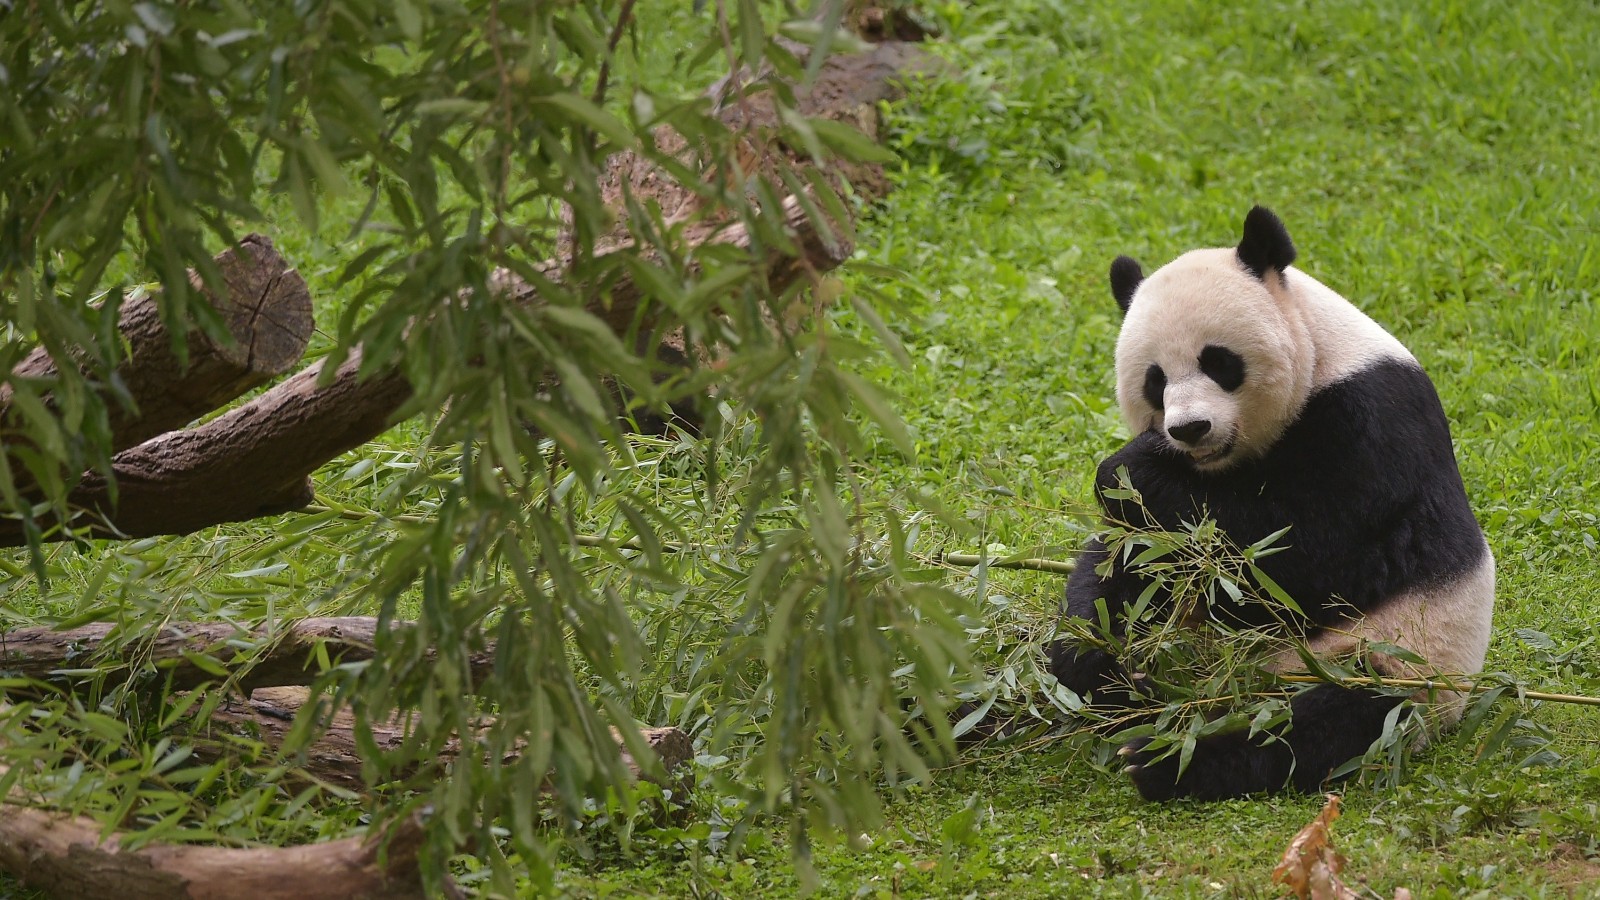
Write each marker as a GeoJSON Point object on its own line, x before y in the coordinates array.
{"type": "Point", "coordinates": [1214, 354]}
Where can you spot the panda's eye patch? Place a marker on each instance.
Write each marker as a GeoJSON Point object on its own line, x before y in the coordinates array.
{"type": "Point", "coordinates": [1223, 366]}
{"type": "Point", "coordinates": [1155, 384]}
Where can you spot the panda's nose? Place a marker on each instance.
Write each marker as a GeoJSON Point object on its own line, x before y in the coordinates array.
{"type": "Point", "coordinates": [1189, 432]}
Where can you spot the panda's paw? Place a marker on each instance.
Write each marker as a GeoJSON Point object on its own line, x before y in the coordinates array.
{"type": "Point", "coordinates": [1155, 778]}
{"type": "Point", "coordinates": [1083, 669]}
{"type": "Point", "coordinates": [994, 724]}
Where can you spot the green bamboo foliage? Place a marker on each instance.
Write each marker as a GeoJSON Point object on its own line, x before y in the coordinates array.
{"type": "Point", "coordinates": [433, 143]}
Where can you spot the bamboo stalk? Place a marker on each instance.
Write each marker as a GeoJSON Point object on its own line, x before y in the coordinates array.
{"type": "Point", "coordinates": [1055, 566]}
{"type": "Point", "coordinates": [1443, 684]}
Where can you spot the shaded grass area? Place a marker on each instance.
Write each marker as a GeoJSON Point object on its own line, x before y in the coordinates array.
{"type": "Point", "coordinates": [1435, 165]}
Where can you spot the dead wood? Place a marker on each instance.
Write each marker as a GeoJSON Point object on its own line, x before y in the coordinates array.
{"type": "Point", "coordinates": [66, 857]}
{"type": "Point", "coordinates": [265, 311]}
{"type": "Point", "coordinates": [253, 461]}
{"type": "Point", "coordinates": [334, 758]}
{"type": "Point", "coordinates": [257, 460]}
{"type": "Point", "coordinates": [887, 20]}
{"type": "Point", "coordinates": [260, 657]}
{"type": "Point", "coordinates": [848, 88]}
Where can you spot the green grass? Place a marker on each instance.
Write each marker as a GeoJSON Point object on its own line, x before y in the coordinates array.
{"type": "Point", "coordinates": [1434, 163]}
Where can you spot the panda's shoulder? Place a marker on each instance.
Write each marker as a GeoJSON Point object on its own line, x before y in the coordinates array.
{"type": "Point", "coordinates": [1388, 406]}
{"type": "Point", "coordinates": [1385, 389]}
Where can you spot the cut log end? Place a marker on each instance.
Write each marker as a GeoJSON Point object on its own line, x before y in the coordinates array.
{"type": "Point", "coordinates": [267, 307]}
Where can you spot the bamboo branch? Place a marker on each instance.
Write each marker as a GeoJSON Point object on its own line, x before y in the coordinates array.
{"type": "Point", "coordinates": [1054, 566]}
{"type": "Point", "coordinates": [1034, 564]}
{"type": "Point", "coordinates": [257, 460]}
{"type": "Point", "coordinates": [1441, 683]}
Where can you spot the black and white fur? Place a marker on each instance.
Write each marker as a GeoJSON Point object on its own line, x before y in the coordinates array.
{"type": "Point", "coordinates": [1263, 399]}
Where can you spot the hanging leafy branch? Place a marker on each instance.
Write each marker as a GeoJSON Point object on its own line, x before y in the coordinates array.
{"type": "Point", "coordinates": [527, 215]}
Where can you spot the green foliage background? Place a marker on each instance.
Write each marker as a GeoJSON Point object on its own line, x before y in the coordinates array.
{"type": "Point", "coordinates": [1434, 162]}
{"type": "Point", "coordinates": [401, 152]}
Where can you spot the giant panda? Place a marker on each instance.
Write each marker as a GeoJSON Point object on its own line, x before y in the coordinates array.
{"type": "Point", "coordinates": [1264, 400]}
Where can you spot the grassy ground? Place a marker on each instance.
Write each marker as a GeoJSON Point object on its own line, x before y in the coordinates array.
{"type": "Point", "coordinates": [1434, 162]}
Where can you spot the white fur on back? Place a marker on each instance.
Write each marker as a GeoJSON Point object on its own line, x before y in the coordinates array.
{"type": "Point", "coordinates": [1344, 339]}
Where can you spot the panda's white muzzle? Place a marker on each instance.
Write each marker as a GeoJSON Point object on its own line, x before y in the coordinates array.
{"type": "Point", "coordinates": [1197, 422]}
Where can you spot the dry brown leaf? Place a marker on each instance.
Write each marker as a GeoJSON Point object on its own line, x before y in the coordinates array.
{"type": "Point", "coordinates": [1324, 880]}
{"type": "Point", "coordinates": [1310, 867]}
{"type": "Point", "coordinates": [1306, 851]}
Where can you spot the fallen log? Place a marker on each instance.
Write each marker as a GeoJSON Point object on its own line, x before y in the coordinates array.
{"type": "Point", "coordinates": [269, 666]}
{"type": "Point", "coordinates": [848, 88]}
{"type": "Point", "coordinates": [259, 657]}
{"type": "Point", "coordinates": [66, 857]}
{"type": "Point", "coordinates": [253, 461]}
{"type": "Point", "coordinates": [266, 314]}
{"type": "Point", "coordinates": [257, 460]}
{"type": "Point", "coordinates": [333, 757]}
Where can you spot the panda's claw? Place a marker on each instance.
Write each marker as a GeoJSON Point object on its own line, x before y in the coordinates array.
{"type": "Point", "coordinates": [1155, 779]}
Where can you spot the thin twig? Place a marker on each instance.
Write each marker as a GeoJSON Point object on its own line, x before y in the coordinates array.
{"type": "Point", "coordinates": [1055, 566]}
{"type": "Point", "coordinates": [1443, 684]}
{"type": "Point", "coordinates": [624, 16]}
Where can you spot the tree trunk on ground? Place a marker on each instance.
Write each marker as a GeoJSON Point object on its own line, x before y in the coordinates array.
{"type": "Point", "coordinates": [263, 656]}
{"type": "Point", "coordinates": [250, 462]}
{"type": "Point", "coordinates": [65, 857]}
{"type": "Point", "coordinates": [848, 88]}
{"type": "Point", "coordinates": [334, 757]}
{"type": "Point", "coordinates": [267, 312]}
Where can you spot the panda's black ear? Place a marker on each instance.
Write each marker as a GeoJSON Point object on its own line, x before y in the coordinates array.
{"type": "Point", "coordinates": [1265, 245]}
{"type": "Point", "coordinates": [1125, 278]}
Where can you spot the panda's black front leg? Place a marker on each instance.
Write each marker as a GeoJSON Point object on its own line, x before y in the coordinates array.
{"type": "Point", "coordinates": [1330, 726]}
{"type": "Point", "coordinates": [1084, 667]}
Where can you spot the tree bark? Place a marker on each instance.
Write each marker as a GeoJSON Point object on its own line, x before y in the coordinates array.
{"type": "Point", "coordinates": [261, 657]}
{"type": "Point", "coordinates": [65, 857]}
{"type": "Point", "coordinates": [257, 460]}
{"type": "Point", "coordinates": [334, 757]}
{"type": "Point", "coordinates": [253, 461]}
{"type": "Point", "coordinates": [849, 87]}
{"type": "Point", "coordinates": [265, 310]}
